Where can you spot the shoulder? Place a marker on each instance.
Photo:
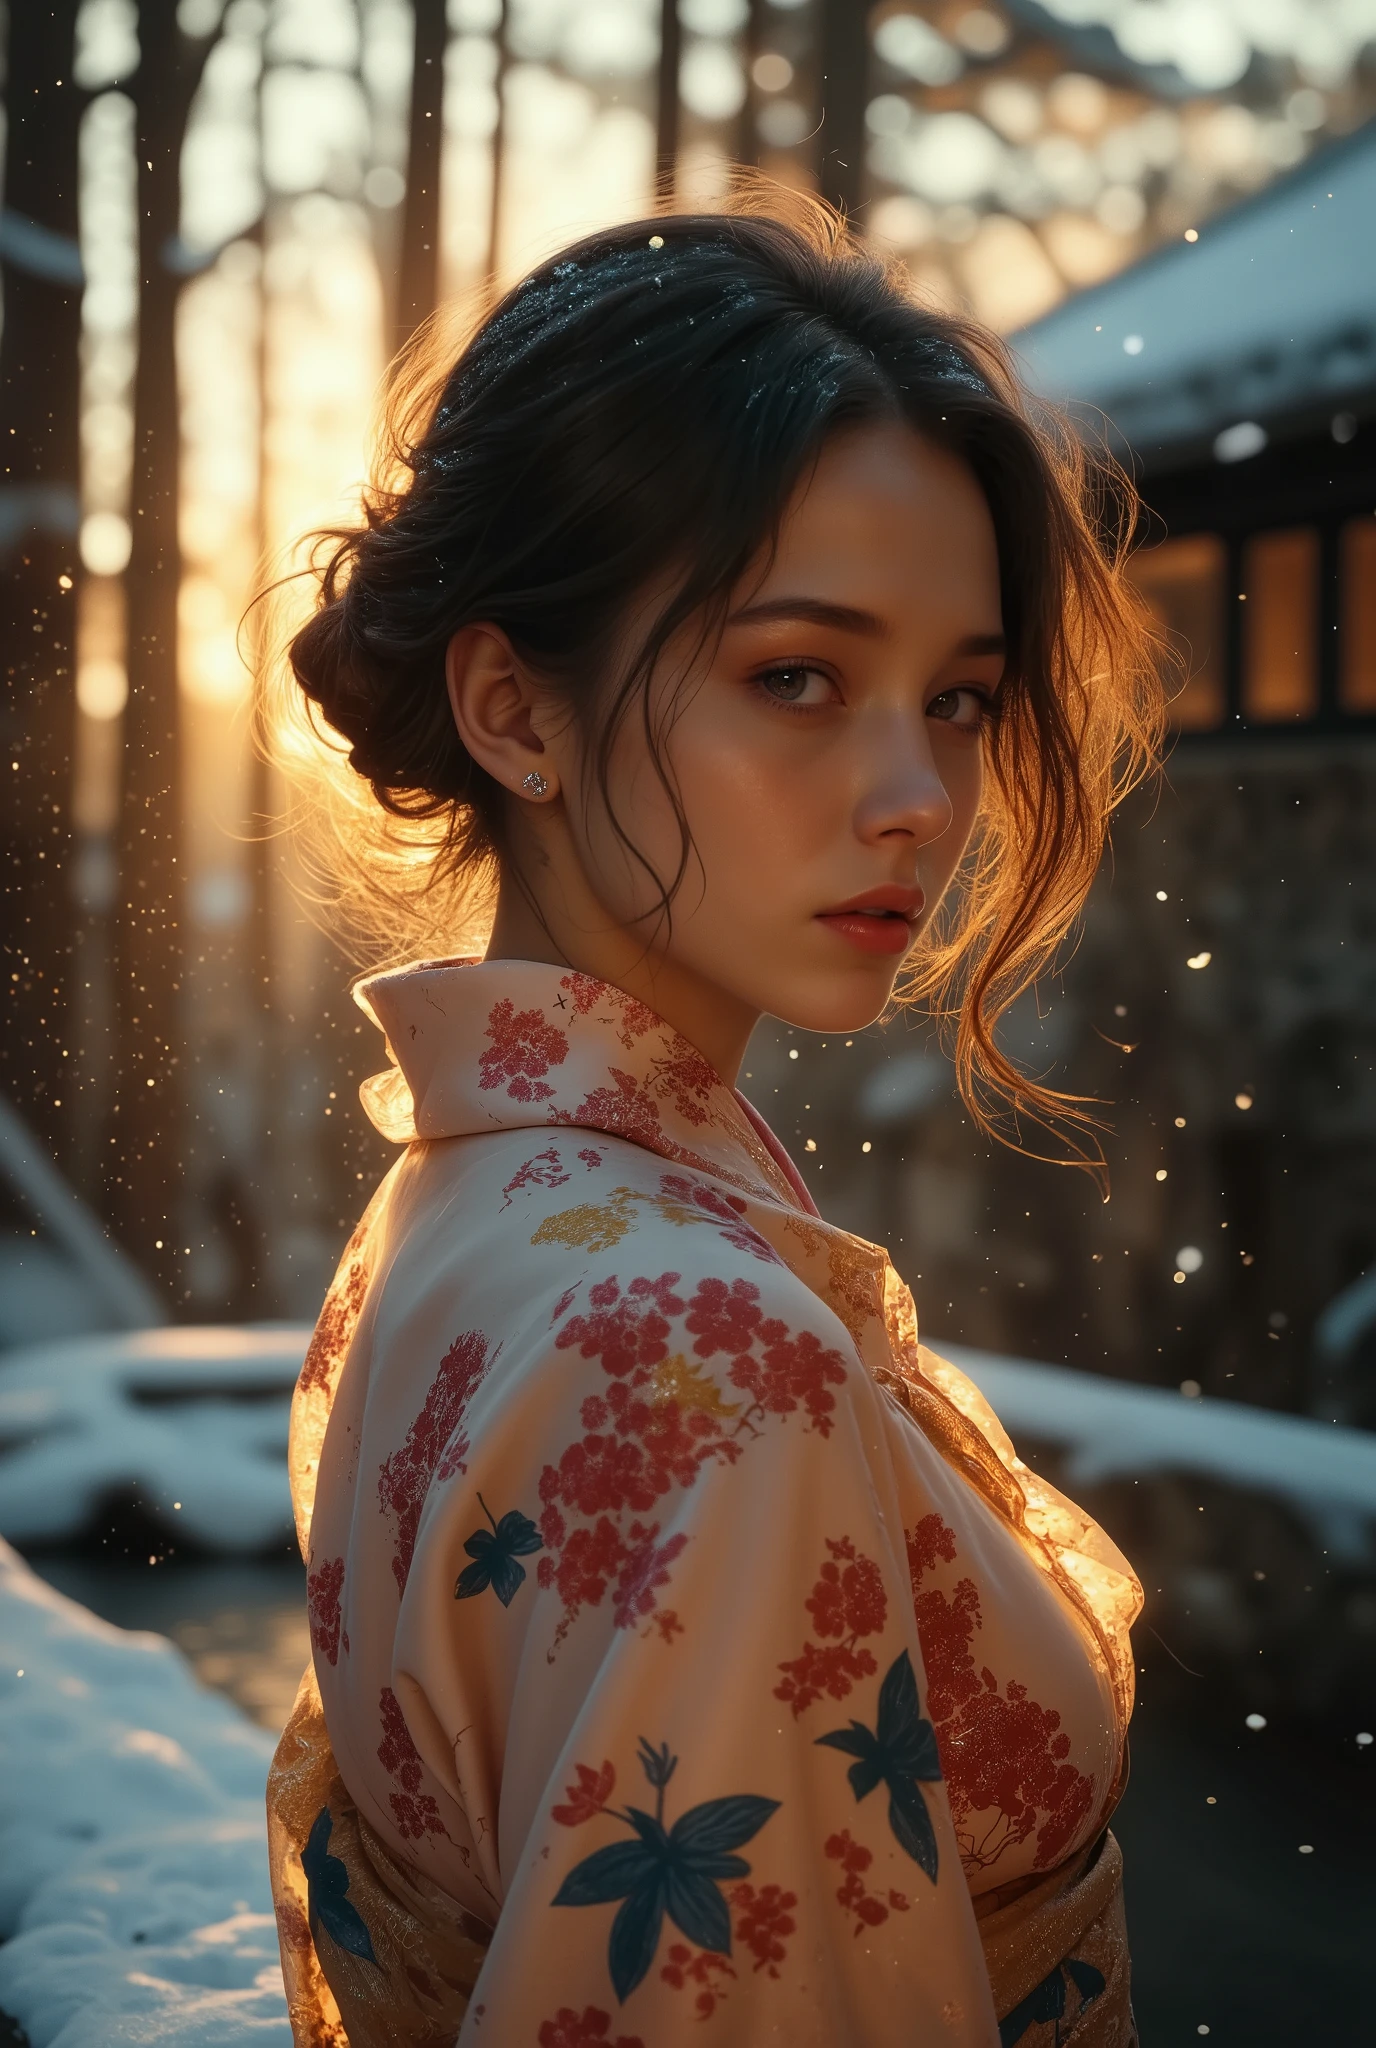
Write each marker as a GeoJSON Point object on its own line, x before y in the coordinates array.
{"type": "Point", "coordinates": [585, 1259]}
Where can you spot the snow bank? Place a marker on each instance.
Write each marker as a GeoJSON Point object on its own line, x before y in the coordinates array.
{"type": "Point", "coordinates": [194, 1421]}
{"type": "Point", "coordinates": [134, 1900]}
{"type": "Point", "coordinates": [1109, 1429]}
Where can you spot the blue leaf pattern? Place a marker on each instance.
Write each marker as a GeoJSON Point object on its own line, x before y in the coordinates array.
{"type": "Point", "coordinates": [327, 1883]}
{"type": "Point", "coordinates": [1045, 2004]}
{"type": "Point", "coordinates": [494, 1552]}
{"type": "Point", "coordinates": [899, 1752]}
{"type": "Point", "coordinates": [666, 1870]}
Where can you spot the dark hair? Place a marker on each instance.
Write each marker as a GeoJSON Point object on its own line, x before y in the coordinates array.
{"type": "Point", "coordinates": [646, 403]}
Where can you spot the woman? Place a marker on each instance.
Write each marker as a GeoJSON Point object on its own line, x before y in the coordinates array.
{"type": "Point", "coordinates": [693, 1658]}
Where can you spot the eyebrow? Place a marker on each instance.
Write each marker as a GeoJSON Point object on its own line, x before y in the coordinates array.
{"type": "Point", "coordinates": [846, 618]}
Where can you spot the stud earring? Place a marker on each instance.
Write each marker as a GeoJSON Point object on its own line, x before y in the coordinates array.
{"type": "Point", "coordinates": [534, 784]}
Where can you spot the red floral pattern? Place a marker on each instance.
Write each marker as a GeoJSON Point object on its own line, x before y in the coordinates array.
{"type": "Point", "coordinates": [728, 1211]}
{"type": "Point", "coordinates": [705, 1967]}
{"type": "Point", "coordinates": [586, 990]}
{"type": "Point", "coordinates": [335, 1325]}
{"type": "Point", "coordinates": [588, 1797]}
{"type": "Point", "coordinates": [633, 1020]}
{"type": "Point", "coordinates": [761, 1922]}
{"type": "Point", "coordinates": [415, 1812]}
{"type": "Point", "coordinates": [1004, 1756]}
{"type": "Point", "coordinates": [588, 2029]}
{"type": "Point", "coordinates": [524, 1047]}
{"type": "Point", "coordinates": [686, 1080]}
{"type": "Point", "coordinates": [435, 1446]}
{"type": "Point", "coordinates": [625, 1109]}
{"type": "Point", "coordinates": [645, 1436]}
{"type": "Point", "coordinates": [324, 1584]}
{"type": "Point", "coordinates": [545, 1170]}
{"type": "Point", "coordinates": [853, 1893]}
{"type": "Point", "coordinates": [635, 1448]}
{"type": "Point", "coordinates": [847, 1602]}
{"type": "Point", "coordinates": [778, 1369]}
{"type": "Point", "coordinates": [627, 1332]}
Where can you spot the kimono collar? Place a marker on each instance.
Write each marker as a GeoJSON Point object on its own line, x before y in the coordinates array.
{"type": "Point", "coordinates": [506, 1045]}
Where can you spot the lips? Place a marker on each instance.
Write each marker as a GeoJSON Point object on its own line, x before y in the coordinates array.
{"type": "Point", "coordinates": [881, 920]}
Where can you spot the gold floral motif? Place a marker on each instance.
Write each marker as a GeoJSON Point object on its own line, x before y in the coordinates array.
{"type": "Point", "coordinates": [676, 1379]}
{"type": "Point", "coordinates": [811, 1236]}
{"type": "Point", "coordinates": [592, 1226]}
{"type": "Point", "coordinates": [855, 1287]}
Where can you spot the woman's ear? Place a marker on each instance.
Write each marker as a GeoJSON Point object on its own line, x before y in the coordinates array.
{"type": "Point", "coordinates": [492, 698]}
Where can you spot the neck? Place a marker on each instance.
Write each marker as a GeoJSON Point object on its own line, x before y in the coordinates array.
{"type": "Point", "coordinates": [546, 925]}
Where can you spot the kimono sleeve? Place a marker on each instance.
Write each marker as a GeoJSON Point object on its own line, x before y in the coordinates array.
{"type": "Point", "coordinates": [719, 1813]}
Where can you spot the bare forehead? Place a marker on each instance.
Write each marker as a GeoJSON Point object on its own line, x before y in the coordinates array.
{"type": "Point", "coordinates": [890, 466]}
{"type": "Point", "coordinates": [886, 521]}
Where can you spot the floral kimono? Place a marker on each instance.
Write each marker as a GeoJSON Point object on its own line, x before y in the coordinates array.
{"type": "Point", "coordinates": [694, 1659]}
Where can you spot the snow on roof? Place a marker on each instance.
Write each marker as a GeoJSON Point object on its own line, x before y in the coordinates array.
{"type": "Point", "coordinates": [134, 1897]}
{"type": "Point", "coordinates": [1271, 311]}
{"type": "Point", "coordinates": [193, 1421]}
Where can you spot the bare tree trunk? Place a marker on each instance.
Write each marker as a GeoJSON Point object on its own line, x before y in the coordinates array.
{"type": "Point", "coordinates": [420, 231]}
{"type": "Point", "coordinates": [150, 1125]}
{"type": "Point", "coordinates": [843, 61]}
{"type": "Point", "coordinates": [39, 509]}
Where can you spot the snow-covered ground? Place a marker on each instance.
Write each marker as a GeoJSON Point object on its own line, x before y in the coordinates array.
{"type": "Point", "coordinates": [134, 1901]}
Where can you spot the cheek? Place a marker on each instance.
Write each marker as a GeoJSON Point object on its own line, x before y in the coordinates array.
{"type": "Point", "coordinates": [962, 775]}
{"type": "Point", "coordinates": [705, 789]}
{"type": "Point", "coordinates": [756, 809]}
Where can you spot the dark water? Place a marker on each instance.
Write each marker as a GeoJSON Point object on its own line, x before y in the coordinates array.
{"type": "Point", "coordinates": [241, 1626]}
{"type": "Point", "coordinates": [1234, 1930]}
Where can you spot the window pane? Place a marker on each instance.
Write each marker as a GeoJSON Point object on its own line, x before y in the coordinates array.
{"type": "Point", "coordinates": [1182, 582]}
{"type": "Point", "coordinates": [1280, 670]}
{"type": "Point", "coordinates": [1358, 636]}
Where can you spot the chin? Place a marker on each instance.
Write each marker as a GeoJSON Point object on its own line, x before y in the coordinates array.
{"type": "Point", "coordinates": [833, 1002]}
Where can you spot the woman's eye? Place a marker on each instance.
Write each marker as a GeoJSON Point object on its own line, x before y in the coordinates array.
{"type": "Point", "coordinates": [794, 683]}
{"type": "Point", "coordinates": [964, 708]}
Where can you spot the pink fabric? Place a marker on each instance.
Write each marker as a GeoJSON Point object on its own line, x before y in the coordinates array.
{"type": "Point", "coordinates": [778, 1155]}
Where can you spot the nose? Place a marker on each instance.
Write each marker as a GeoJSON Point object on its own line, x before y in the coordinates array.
{"type": "Point", "coordinates": [901, 794]}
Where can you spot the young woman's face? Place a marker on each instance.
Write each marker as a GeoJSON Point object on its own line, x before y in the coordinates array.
{"type": "Point", "coordinates": [828, 755]}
